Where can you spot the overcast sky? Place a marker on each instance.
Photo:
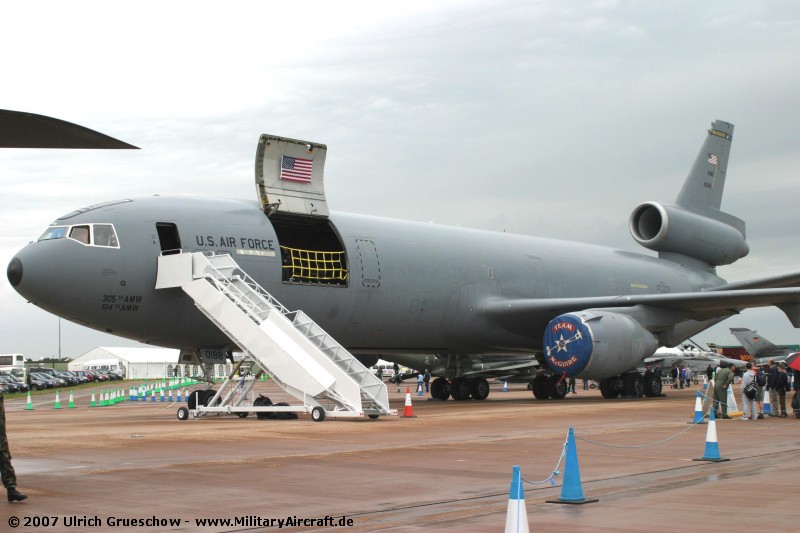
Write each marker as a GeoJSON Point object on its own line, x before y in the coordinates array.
{"type": "Point", "coordinates": [546, 118]}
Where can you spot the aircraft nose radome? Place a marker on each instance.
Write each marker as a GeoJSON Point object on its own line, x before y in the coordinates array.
{"type": "Point", "coordinates": [14, 272]}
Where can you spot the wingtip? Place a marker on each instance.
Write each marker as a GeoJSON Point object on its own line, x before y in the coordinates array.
{"type": "Point", "coordinates": [19, 129]}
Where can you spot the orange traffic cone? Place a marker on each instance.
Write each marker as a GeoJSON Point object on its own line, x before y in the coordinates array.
{"type": "Point", "coordinates": [408, 412]}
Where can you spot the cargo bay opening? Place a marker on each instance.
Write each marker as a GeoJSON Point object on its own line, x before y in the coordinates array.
{"type": "Point", "coordinates": [311, 250]}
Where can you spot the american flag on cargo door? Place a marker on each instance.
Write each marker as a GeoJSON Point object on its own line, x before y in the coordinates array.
{"type": "Point", "coordinates": [296, 169]}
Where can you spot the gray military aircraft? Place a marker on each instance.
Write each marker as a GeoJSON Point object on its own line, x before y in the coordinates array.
{"type": "Point", "coordinates": [384, 287]}
{"type": "Point", "coordinates": [760, 347]}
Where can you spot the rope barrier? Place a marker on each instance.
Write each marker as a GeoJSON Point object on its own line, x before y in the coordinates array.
{"type": "Point", "coordinates": [656, 443]}
{"type": "Point", "coordinates": [555, 472]}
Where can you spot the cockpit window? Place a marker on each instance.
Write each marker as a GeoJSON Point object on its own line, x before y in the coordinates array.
{"type": "Point", "coordinates": [80, 234]}
{"type": "Point", "coordinates": [103, 235]}
{"type": "Point", "coordinates": [54, 232]}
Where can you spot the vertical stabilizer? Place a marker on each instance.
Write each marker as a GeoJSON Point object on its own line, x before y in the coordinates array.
{"type": "Point", "coordinates": [706, 181]}
{"type": "Point", "coordinates": [753, 343]}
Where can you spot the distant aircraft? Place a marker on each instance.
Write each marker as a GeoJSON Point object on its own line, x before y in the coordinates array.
{"type": "Point", "coordinates": [384, 287]}
{"type": "Point", "coordinates": [696, 360]}
{"type": "Point", "coordinates": [759, 347]}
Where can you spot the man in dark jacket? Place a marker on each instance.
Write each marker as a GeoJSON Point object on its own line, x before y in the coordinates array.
{"type": "Point", "coordinates": [781, 386]}
{"type": "Point", "coordinates": [772, 383]}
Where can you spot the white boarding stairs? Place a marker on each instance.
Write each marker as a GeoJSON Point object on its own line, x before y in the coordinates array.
{"type": "Point", "coordinates": [302, 358]}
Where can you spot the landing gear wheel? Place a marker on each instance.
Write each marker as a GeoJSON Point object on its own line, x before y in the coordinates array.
{"type": "Point", "coordinates": [634, 385]}
{"type": "Point", "coordinates": [539, 387]}
{"type": "Point", "coordinates": [608, 388]}
{"type": "Point", "coordinates": [318, 414]}
{"type": "Point", "coordinates": [207, 396]}
{"type": "Point", "coordinates": [479, 388]}
{"type": "Point", "coordinates": [262, 401]}
{"type": "Point", "coordinates": [652, 385]}
{"type": "Point", "coordinates": [183, 413]}
{"type": "Point", "coordinates": [440, 389]}
{"type": "Point", "coordinates": [557, 387]}
{"type": "Point", "coordinates": [374, 417]}
{"type": "Point", "coordinates": [459, 389]}
{"type": "Point", "coordinates": [196, 398]}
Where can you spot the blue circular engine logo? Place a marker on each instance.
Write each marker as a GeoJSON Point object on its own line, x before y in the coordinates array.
{"type": "Point", "coordinates": [568, 345]}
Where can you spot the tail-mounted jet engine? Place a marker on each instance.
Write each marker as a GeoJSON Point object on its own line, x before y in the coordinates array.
{"type": "Point", "coordinates": [596, 343]}
{"type": "Point", "coordinates": [714, 239]}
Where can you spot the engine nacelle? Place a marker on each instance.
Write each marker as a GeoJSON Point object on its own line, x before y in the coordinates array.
{"type": "Point", "coordinates": [596, 344]}
{"type": "Point", "coordinates": [668, 228]}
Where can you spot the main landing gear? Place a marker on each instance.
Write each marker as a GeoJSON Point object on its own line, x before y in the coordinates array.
{"type": "Point", "coordinates": [631, 384]}
{"type": "Point", "coordinates": [546, 386]}
{"type": "Point", "coordinates": [460, 388]}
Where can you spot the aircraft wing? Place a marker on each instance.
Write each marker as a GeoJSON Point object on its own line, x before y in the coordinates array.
{"type": "Point", "coordinates": [783, 280]}
{"type": "Point", "coordinates": [28, 130]}
{"type": "Point", "coordinates": [693, 305]}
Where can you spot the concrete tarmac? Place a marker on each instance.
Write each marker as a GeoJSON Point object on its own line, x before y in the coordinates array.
{"type": "Point", "coordinates": [134, 466]}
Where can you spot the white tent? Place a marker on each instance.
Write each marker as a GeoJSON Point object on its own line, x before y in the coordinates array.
{"type": "Point", "coordinates": [141, 363]}
{"type": "Point", "coordinates": [134, 363]}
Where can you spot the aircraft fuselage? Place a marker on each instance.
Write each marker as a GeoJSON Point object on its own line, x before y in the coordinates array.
{"type": "Point", "coordinates": [410, 287]}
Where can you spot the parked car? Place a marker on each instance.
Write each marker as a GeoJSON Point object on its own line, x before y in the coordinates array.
{"type": "Point", "coordinates": [67, 377]}
{"type": "Point", "coordinates": [112, 376]}
{"type": "Point", "coordinates": [38, 382]}
{"type": "Point", "coordinates": [81, 379]}
{"type": "Point", "coordinates": [48, 374]}
{"type": "Point", "coordinates": [85, 374]}
{"type": "Point", "coordinates": [12, 385]}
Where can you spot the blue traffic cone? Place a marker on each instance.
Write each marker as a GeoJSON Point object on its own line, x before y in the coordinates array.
{"type": "Point", "coordinates": [698, 410]}
{"type": "Point", "coordinates": [517, 514]}
{"type": "Point", "coordinates": [767, 405]}
{"type": "Point", "coordinates": [712, 446]}
{"type": "Point", "coordinates": [571, 491]}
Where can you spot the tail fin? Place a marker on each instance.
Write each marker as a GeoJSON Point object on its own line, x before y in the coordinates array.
{"type": "Point", "coordinates": [753, 342]}
{"type": "Point", "coordinates": [706, 181]}
{"type": "Point", "coordinates": [702, 191]}
{"type": "Point", "coordinates": [694, 227]}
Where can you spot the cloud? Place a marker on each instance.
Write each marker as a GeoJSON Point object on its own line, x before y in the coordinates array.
{"type": "Point", "coordinates": [535, 117]}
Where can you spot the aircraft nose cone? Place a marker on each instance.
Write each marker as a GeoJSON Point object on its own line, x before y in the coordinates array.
{"type": "Point", "coordinates": [14, 272]}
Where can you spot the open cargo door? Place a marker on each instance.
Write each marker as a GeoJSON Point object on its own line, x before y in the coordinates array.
{"type": "Point", "coordinates": [289, 176]}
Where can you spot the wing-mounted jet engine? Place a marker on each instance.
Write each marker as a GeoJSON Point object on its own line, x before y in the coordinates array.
{"type": "Point", "coordinates": [597, 342]}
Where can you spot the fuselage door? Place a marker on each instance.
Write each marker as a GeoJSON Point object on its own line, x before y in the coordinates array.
{"type": "Point", "coordinates": [289, 176]}
{"type": "Point", "coordinates": [168, 238]}
{"type": "Point", "coordinates": [370, 263]}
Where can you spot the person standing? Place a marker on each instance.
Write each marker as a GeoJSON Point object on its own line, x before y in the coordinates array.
{"type": "Point", "coordinates": [721, 383]}
{"type": "Point", "coordinates": [761, 382]}
{"type": "Point", "coordinates": [426, 378]}
{"type": "Point", "coordinates": [420, 379]}
{"type": "Point", "coordinates": [772, 381]}
{"type": "Point", "coordinates": [781, 386]}
{"type": "Point", "coordinates": [6, 470]}
{"type": "Point", "coordinates": [748, 404]}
